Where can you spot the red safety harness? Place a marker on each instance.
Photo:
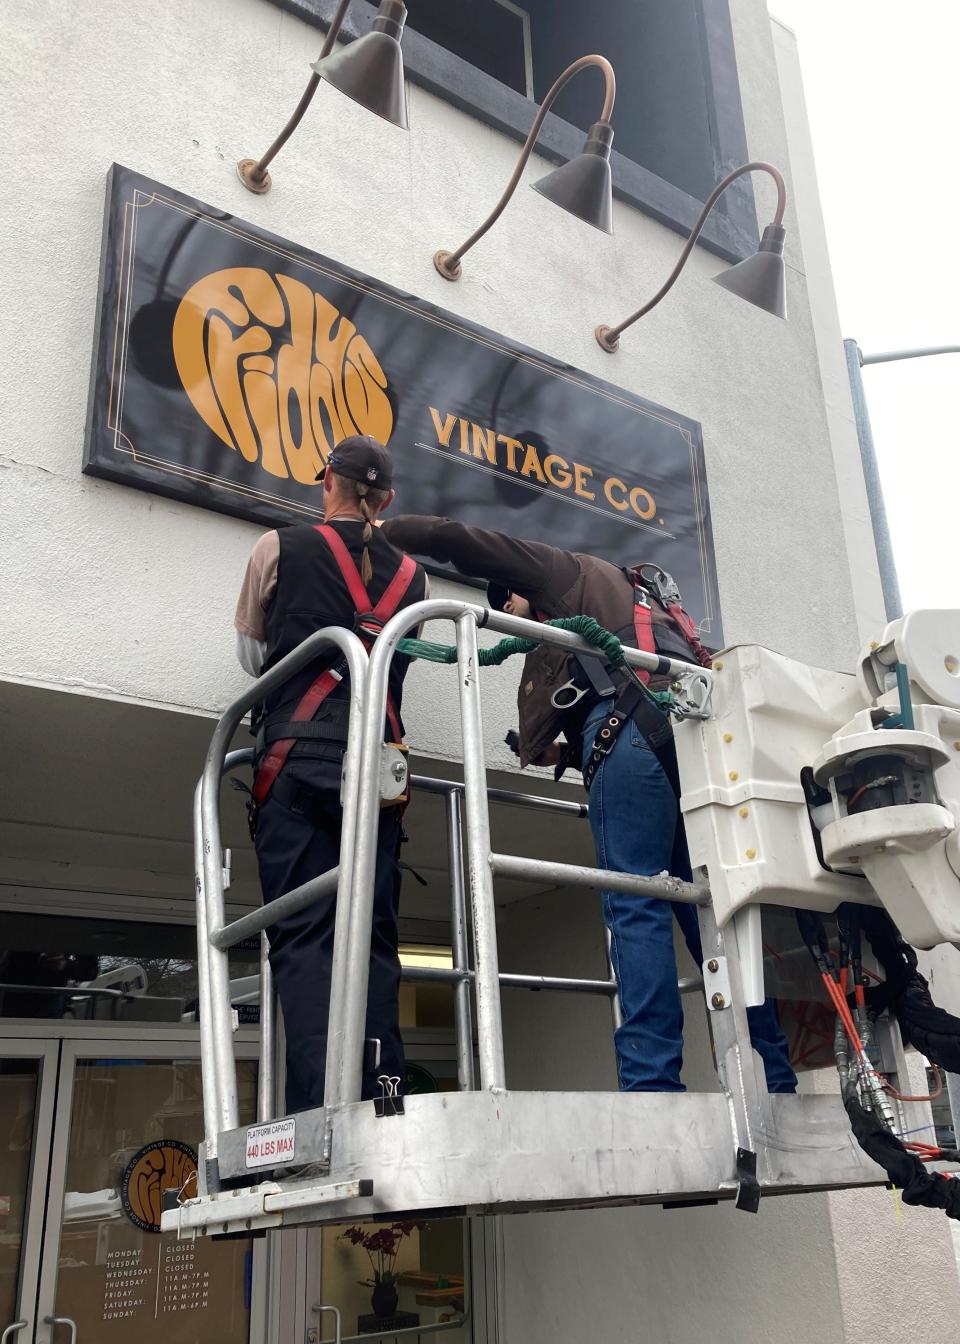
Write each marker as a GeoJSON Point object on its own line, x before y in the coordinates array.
{"type": "Point", "coordinates": [369, 621]}
{"type": "Point", "coordinates": [634, 702]}
{"type": "Point", "coordinates": [669, 598]}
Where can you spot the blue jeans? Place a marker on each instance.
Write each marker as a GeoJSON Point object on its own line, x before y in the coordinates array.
{"type": "Point", "coordinates": [636, 828]}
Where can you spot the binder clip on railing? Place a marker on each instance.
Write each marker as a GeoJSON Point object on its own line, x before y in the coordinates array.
{"type": "Point", "coordinates": [390, 1102]}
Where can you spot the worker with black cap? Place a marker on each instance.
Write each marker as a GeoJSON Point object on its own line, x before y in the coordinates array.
{"type": "Point", "coordinates": [299, 580]}
{"type": "Point", "coordinates": [623, 743]}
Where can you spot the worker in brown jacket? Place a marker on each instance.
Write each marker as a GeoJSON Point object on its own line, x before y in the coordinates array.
{"type": "Point", "coordinates": [634, 805]}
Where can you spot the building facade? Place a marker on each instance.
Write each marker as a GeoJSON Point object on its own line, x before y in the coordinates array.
{"type": "Point", "coordinates": [118, 646]}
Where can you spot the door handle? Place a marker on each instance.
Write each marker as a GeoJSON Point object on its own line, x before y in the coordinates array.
{"type": "Point", "coordinates": [14, 1328]}
{"type": "Point", "coordinates": [61, 1320]}
{"type": "Point", "coordinates": [318, 1310]}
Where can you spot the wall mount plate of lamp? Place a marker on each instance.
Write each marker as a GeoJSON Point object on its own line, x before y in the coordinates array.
{"type": "Point", "coordinates": [760, 279]}
{"type": "Point", "coordinates": [583, 186]}
{"type": "Point", "coordinates": [369, 70]}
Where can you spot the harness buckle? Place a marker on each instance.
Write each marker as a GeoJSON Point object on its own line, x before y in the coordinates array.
{"type": "Point", "coordinates": [663, 584]}
{"type": "Point", "coordinates": [366, 623]}
{"type": "Point", "coordinates": [606, 738]}
{"type": "Point", "coordinates": [574, 695]}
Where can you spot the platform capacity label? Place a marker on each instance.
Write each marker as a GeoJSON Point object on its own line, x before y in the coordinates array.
{"type": "Point", "coordinates": [271, 1145]}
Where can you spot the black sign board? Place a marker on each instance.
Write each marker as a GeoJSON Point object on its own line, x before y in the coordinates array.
{"type": "Point", "coordinates": [228, 363]}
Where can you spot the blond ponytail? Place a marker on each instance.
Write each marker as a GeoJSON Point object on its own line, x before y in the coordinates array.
{"type": "Point", "coordinates": [366, 565]}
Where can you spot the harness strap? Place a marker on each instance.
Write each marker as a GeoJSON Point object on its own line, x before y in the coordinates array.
{"type": "Point", "coordinates": [377, 616]}
{"type": "Point", "coordinates": [276, 757]}
{"type": "Point", "coordinates": [689, 631]}
{"type": "Point", "coordinates": [331, 677]}
{"type": "Point", "coordinates": [642, 626]}
{"type": "Point", "coordinates": [634, 704]}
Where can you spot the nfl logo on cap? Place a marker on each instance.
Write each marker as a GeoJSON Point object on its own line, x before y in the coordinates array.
{"type": "Point", "coordinates": [361, 458]}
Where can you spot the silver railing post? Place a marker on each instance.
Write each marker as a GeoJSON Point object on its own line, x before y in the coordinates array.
{"type": "Point", "coordinates": [616, 1012]}
{"type": "Point", "coordinates": [345, 1044]}
{"type": "Point", "coordinates": [462, 1016]}
{"type": "Point", "coordinates": [351, 953]}
{"type": "Point", "coordinates": [210, 885]}
{"type": "Point", "coordinates": [267, 1074]}
{"type": "Point", "coordinates": [344, 995]}
{"type": "Point", "coordinates": [209, 1074]}
{"type": "Point", "coordinates": [486, 962]}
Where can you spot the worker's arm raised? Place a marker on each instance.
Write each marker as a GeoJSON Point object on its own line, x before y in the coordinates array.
{"type": "Point", "coordinates": [533, 569]}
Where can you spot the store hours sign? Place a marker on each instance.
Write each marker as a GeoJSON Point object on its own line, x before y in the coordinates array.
{"type": "Point", "coordinates": [229, 362]}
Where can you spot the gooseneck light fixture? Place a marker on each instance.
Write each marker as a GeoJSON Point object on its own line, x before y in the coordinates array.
{"type": "Point", "coordinates": [759, 279]}
{"type": "Point", "coordinates": [582, 186]}
{"type": "Point", "coordinates": [369, 70]}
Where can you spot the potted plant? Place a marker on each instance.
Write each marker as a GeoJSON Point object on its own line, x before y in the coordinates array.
{"type": "Point", "coordinates": [382, 1246]}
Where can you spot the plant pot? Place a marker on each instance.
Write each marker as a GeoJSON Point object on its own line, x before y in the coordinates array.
{"type": "Point", "coordinates": [383, 1299]}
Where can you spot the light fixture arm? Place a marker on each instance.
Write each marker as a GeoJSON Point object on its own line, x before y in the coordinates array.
{"type": "Point", "coordinates": [255, 175]}
{"type": "Point", "coordinates": [609, 336]}
{"type": "Point", "coordinates": [448, 263]}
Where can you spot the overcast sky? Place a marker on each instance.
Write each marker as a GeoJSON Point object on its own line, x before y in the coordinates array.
{"type": "Point", "coordinates": [882, 79]}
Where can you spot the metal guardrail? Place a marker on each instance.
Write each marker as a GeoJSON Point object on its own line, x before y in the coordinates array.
{"type": "Point", "coordinates": [466, 808]}
{"type": "Point", "coordinates": [344, 1049]}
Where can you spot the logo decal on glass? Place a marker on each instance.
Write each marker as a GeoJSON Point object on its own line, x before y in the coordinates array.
{"type": "Point", "coordinates": [163, 1165]}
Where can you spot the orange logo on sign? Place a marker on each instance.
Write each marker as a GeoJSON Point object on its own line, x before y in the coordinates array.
{"type": "Point", "coordinates": [166, 1164]}
{"type": "Point", "coordinates": [277, 373]}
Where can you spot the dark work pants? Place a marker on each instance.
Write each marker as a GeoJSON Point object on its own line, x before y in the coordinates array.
{"type": "Point", "coordinates": [293, 847]}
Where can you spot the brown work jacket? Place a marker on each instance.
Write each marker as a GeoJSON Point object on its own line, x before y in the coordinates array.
{"type": "Point", "coordinates": [555, 583]}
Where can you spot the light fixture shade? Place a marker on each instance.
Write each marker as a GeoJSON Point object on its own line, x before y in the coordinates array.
{"type": "Point", "coordinates": [370, 70]}
{"type": "Point", "coordinates": [584, 187]}
{"type": "Point", "coordinates": [761, 279]}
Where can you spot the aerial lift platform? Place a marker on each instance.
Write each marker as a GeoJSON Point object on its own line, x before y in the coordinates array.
{"type": "Point", "coordinates": [767, 749]}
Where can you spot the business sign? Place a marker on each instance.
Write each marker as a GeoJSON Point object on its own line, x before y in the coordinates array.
{"type": "Point", "coordinates": [229, 362]}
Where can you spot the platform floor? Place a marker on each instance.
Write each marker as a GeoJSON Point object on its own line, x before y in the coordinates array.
{"type": "Point", "coordinates": [504, 1151]}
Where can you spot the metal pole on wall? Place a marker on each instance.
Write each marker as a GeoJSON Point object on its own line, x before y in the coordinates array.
{"type": "Point", "coordinates": [871, 475]}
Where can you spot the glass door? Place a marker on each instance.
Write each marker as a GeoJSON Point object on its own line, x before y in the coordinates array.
{"type": "Point", "coordinates": [28, 1077]}
{"type": "Point", "coordinates": [128, 1122]}
{"type": "Point", "coordinates": [399, 1280]}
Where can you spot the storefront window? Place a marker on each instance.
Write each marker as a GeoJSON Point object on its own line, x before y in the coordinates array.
{"type": "Point", "coordinates": [108, 970]}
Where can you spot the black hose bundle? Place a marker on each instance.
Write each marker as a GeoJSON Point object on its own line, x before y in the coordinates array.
{"type": "Point", "coordinates": [931, 1030]}
{"type": "Point", "coordinates": [905, 1170]}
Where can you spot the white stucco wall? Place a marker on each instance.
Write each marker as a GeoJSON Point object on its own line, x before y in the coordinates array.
{"type": "Point", "coordinates": [851, 489]}
{"type": "Point", "coordinates": [179, 92]}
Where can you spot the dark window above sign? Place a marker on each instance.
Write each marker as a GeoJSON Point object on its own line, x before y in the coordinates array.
{"type": "Point", "coordinates": [488, 34]}
{"type": "Point", "coordinates": [678, 118]}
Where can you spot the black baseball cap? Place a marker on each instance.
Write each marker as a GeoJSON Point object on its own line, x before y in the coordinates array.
{"type": "Point", "coordinates": [497, 595]}
{"type": "Point", "coordinates": [361, 458]}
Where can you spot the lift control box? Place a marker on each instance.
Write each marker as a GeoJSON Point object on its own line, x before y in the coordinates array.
{"type": "Point", "coordinates": [807, 787]}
